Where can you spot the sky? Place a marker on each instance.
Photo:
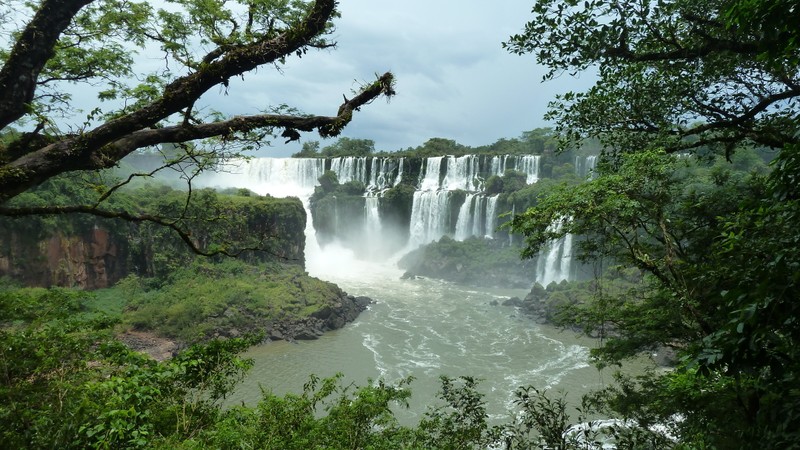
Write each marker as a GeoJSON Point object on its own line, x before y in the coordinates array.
{"type": "Point", "coordinates": [454, 80]}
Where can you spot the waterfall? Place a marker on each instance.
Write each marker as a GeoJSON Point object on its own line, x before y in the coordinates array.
{"type": "Point", "coordinates": [429, 214]}
{"type": "Point", "coordinates": [372, 219]}
{"type": "Point", "coordinates": [498, 165]}
{"type": "Point", "coordinates": [379, 174]}
{"type": "Point", "coordinates": [429, 178]}
{"type": "Point", "coordinates": [350, 168]}
{"type": "Point", "coordinates": [465, 216]}
{"type": "Point", "coordinates": [399, 173]}
{"type": "Point", "coordinates": [491, 216]}
{"type": "Point", "coordinates": [335, 215]}
{"type": "Point", "coordinates": [529, 164]}
{"type": "Point", "coordinates": [278, 177]}
{"type": "Point", "coordinates": [462, 172]}
{"type": "Point", "coordinates": [591, 165]}
{"type": "Point", "coordinates": [555, 260]}
{"type": "Point", "coordinates": [585, 166]}
{"type": "Point", "coordinates": [478, 216]}
{"type": "Point", "coordinates": [375, 174]}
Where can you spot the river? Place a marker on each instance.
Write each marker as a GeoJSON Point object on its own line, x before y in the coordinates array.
{"type": "Point", "coordinates": [425, 328]}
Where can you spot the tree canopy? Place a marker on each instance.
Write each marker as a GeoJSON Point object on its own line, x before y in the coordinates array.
{"type": "Point", "coordinates": [686, 78]}
{"type": "Point", "coordinates": [685, 73]}
{"type": "Point", "coordinates": [52, 46]}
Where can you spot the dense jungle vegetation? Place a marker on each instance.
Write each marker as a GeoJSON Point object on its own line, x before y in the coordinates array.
{"type": "Point", "coordinates": [717, 255]}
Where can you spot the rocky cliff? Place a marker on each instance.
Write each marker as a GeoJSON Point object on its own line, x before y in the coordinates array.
{"type": "Point", "coordinates": [340, 312]}
{"type": "Point", "coordinates": [92, 259]}
{"type": "Point", "coordinates": [475, 262]}
{"type": "Point", "coordinates": [90, 253]}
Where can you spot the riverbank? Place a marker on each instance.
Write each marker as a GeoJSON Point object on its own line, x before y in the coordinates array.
{"type": "Point", "coordinates": [229, 299]}
{"type": "Point", "coordinates": [329, 318]}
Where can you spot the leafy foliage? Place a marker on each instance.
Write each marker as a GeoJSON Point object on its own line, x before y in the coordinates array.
{"type": "Point", "coordinates": [204, 299]}
{"type": "Point", "coordinates": [67, 384]}
{"type": "Point", "coordinates": [713, 77]}
{"type": "Point", "coordinates": [678, 74]}
{"type": "Point", "coordinates": [349, 147]}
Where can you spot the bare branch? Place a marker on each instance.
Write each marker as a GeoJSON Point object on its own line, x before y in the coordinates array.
{"type": "Point", "coordinates": [67, 155]}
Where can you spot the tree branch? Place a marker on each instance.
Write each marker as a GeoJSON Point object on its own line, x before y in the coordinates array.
{"type": "Point", "coordinates": [103, 146]}
{"type": "Point", "coordinates": [31, 51]}
{"type": "Point", "coordinates": [327, 126]}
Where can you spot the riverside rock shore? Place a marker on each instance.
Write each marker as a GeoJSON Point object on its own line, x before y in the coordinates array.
{"type": "Point", "coordinates": [336, 315]}
{"type": "Point", "coordinates": [331, 317]}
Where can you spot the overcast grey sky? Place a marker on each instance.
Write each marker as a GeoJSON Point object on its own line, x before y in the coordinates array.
{"type": "Point", "coordinates": [453, 78]}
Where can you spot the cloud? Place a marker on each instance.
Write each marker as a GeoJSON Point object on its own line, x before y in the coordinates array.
{"type": "Point", "coordinates": [454, 80]}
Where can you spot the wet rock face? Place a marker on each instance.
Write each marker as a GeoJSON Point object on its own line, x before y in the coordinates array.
{"type": "Point", "coordinates": [96, 255]}
{"type": "Point", "coordinates": [90, 260]}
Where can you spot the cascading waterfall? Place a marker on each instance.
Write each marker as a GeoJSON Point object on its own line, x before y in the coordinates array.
{"type": "Point", "coordinates": [429, 214]}
{"type": "Point", "coordinates": [429, 178]}
{"type": "Point", "coordinates": [380, 173]}
{"type": "Point", "coordinates": [479, 216]}
{"type": "Point", "coordinates": [372, 219]}
{"type": "Point", "coordinates": [591, 165]}
{"type": "Point", "coordinates": [491, 216]}
{"type": "Point", "coordinates": [377, 177]}
{"type": "Point", "coordinates": [431, 211]}
{"type": "Point", "coordinates": [430, 206]}
{"type": "Point", "coordinates": [335, 215]}
{"type": "Point", "coordinates": [462, 173]}
{"type": "Point", "coordinates": [463, 224]}
{"type": "Point", "coordinates": [585, 166]}
{"type": "Point", "coordinates": [279, 177]}
{"type": "Point", "coordinates": [498, 165]}
{"type": "Point", "coordinates": [399, 177]}
{"type": "Point", "coordinates": [529, 164]}
{"type": "Point", "coordinates": [350, 168]}
{"type": "Point", "coordinates": [376, 172]}
{"type": "Point", "coordinates": [555, 262]}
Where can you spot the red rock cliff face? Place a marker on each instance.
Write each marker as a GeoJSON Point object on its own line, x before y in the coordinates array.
{"type": "Point", "coordinates": [72, 253]}
{"type": "Point", "coordinates": [90, 261]}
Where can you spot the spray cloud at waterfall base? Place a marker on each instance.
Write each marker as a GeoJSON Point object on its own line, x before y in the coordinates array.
{"type": "Point", "coordinates": [377, 209]}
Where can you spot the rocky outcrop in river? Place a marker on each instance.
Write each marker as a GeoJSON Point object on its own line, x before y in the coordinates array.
{"type": "Point", "coordinates": [332, 317]}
